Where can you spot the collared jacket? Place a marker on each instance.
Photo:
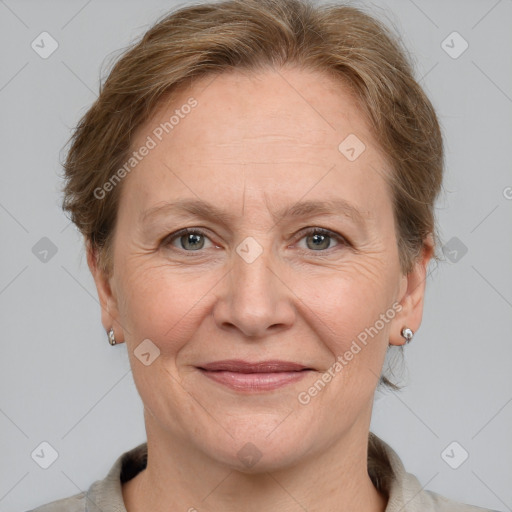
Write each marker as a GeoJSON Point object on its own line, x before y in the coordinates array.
{"type": "Point", "coordinates": [404, 492]}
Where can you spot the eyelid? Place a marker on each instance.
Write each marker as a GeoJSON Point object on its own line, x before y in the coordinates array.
{"type": "Point", "coordinates": [185, 231]}
{"type": "Point", "coordinates": [342, 240]}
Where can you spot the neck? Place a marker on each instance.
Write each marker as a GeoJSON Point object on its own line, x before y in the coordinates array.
{"type": "Point", "coordinates": [179, 478]}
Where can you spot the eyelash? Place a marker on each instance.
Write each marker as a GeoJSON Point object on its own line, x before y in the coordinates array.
{"type": "Point", "coordinates": [308, 231]}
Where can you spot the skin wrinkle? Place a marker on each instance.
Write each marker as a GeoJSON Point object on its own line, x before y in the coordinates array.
{"type": "Point", "coordinates": [192, 207]}
{"type": "Point", "coordinates": [286, 304]}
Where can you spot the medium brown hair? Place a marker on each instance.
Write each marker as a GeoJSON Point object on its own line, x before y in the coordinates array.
{"type": "Point", "coordinates": [206, 38]}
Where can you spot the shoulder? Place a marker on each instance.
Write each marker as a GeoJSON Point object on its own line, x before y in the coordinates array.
{"type": "Point", "coordinates": [442, 504]}
{"type": "Point", "coordinates": [104, 495]}
{"type": "Point", "coordinates": [405, 493]}
{"type": "Point", "coordinates": [74, 503]}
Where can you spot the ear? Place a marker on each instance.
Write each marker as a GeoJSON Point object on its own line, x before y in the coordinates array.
{"type": "Point", "coordinates": [108, 301]}
{"type": "Point", "coordinates": [411, 295]}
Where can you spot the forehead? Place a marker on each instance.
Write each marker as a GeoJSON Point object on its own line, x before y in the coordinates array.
{"type": "Point", "coordinates": [251, 109]}
{"type": "Point", "coordinates": [273, 130]}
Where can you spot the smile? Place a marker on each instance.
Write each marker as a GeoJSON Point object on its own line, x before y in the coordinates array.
{"type": "Point", "coordinates": [260, 376]}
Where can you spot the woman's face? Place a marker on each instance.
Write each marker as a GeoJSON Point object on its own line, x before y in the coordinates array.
{"type": "Point", "coordinates": [291, 262]}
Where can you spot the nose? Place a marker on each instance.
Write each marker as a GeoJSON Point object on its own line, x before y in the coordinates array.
{"type": "Point", "coordinates": [255, 299]}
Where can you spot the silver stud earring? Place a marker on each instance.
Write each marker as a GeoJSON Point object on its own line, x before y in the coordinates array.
{"type": "Point", "coordinates": [407, 334]}
{"type": "Point", "coordinates": [111, 337]}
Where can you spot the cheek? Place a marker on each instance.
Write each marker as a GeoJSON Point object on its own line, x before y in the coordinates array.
{"type": "Point", "coordinates": [163, 304]}
{"type": "Point", "coordinates": [353, 310]}
{"type": "Point", "coordinates": [351, 314]}
{"type": "Point", "coordinates": [351, 299]}
{"type": "Point", "coordinates": [335, 302]}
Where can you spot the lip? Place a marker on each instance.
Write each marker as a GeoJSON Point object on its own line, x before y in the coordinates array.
{"type": "Point", "coordinates": [241, 366]}
{"type": "Point", "coordinates": [254, 376]}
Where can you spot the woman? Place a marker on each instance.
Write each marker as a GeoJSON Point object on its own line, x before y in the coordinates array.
{"type": "Point", "coordinates": [255, 185]}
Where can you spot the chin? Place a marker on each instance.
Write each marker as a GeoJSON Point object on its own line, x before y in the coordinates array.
{"type": "Point", "coordinates": [260, 446]}
{"type": "Point", "coordinates": [257, 458]}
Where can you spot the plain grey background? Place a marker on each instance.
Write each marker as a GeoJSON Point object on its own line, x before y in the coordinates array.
{"type": "Point", "coordinates": [61, 382]}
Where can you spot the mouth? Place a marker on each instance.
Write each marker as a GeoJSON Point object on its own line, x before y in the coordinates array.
{"type": "Point", "coordinates": [254, 376]}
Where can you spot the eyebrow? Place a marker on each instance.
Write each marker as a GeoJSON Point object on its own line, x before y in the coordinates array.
{"type": "Point", "coordinates": [207, 210]}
